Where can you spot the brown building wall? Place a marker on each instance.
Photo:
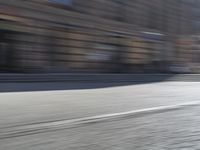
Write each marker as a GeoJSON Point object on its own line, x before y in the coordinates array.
{"type": "Point", "coordinates": [90, 36]}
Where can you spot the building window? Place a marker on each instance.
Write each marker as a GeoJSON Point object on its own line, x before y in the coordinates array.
{"type": "Point", "coordinates": [61, 2]}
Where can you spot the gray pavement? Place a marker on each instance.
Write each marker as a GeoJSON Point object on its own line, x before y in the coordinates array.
{"type": "Point", "coordinates": [167, 130]}
{"type": "Point", "coordinates": [171, 130]}
{"type": "Point", "coordinates": [18, 108]}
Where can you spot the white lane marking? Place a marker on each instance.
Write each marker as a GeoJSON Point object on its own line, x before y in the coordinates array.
{"type": "Point", "coordinates": [50, 126]}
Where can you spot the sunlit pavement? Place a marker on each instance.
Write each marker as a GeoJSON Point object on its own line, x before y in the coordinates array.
{"type": "Point", "coordinates": [177, 129]}
{"type": "Point", "coordinates": [168, 130]}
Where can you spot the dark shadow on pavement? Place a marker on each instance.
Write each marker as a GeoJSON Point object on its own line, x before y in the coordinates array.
{"type": "Point", "coordinates": [94, 82]}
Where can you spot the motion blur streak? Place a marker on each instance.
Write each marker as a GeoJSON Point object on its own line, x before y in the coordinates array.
{"type": "Point", "coordinates": [99, 36]}
{"type": "Point", "coordinates": [99, 74]}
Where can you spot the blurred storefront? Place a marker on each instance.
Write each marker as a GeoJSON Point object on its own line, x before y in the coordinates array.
{"type": "Point", "coordinates": [97, 36]}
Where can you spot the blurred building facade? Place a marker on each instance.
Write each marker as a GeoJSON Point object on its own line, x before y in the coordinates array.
{"type": "Point", "coordinates": [98, 35]}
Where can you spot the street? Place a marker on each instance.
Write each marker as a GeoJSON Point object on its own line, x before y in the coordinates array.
{"type": "Point", "coordinates": [179, 129]}
{"type": "Point", "coordinates": [166, 129]}
{"type": "Point", "coordinates": [99, 75]}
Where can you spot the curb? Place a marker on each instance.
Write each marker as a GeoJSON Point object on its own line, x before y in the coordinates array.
{"type": "Point", "coordinates": [6, 78]}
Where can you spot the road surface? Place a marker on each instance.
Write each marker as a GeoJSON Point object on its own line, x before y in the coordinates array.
{"type": "Point", "coordinates": [173, 129]}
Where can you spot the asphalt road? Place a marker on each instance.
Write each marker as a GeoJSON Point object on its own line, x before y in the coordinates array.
{"type": "Point", "coordinates": [169, 130]}
{"type": "Point", "coordinates": [153, 131]}
{"type": "Point", "coordinates": [30, 107]}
